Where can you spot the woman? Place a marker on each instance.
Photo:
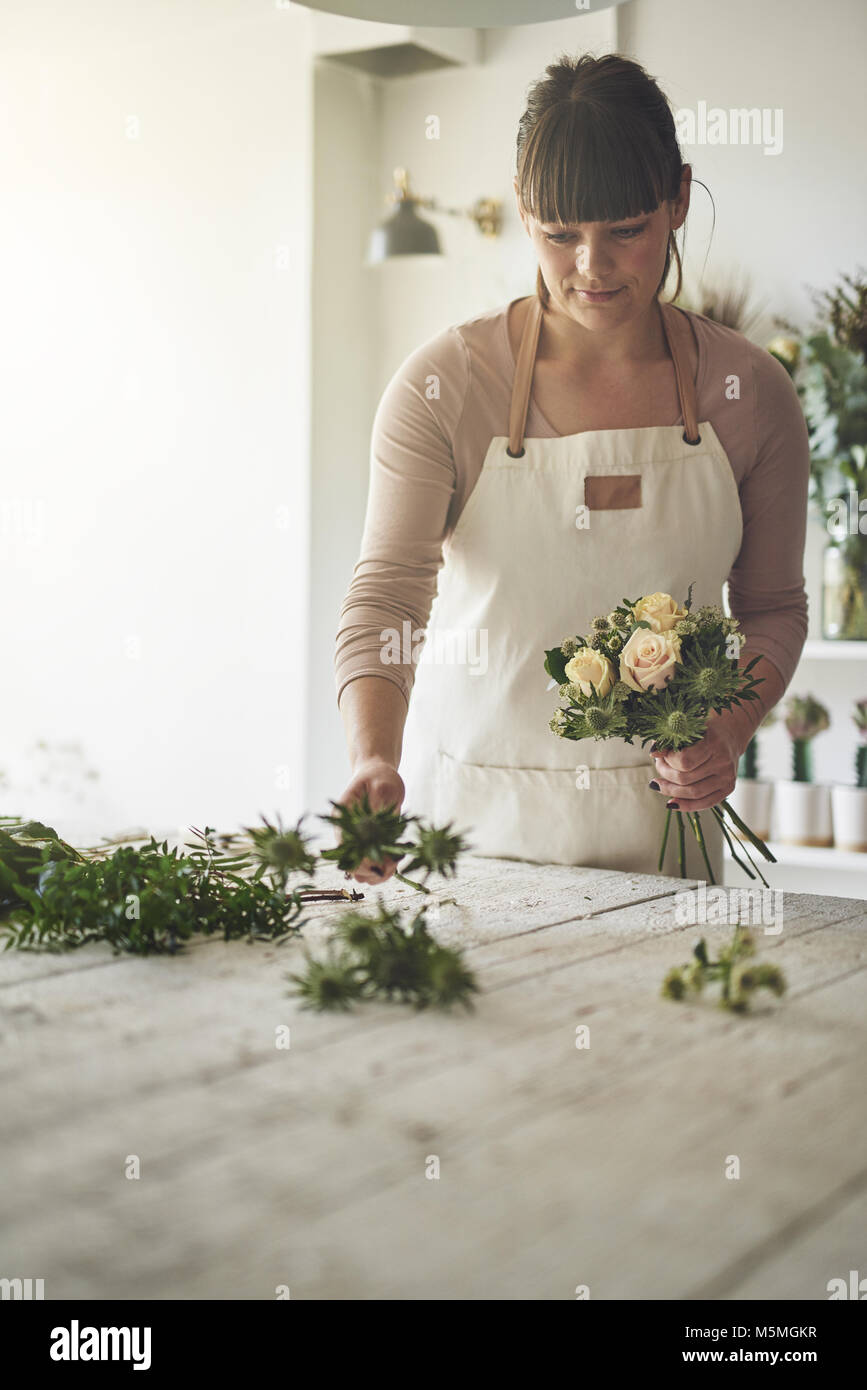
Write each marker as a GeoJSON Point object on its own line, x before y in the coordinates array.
{"type": "Point", "coordinates": [577, 446]}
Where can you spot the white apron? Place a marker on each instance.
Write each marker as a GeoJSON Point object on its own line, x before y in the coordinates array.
{"type": "Point", "coordinates": [519, 575]}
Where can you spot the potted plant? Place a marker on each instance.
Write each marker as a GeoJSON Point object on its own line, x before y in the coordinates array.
{"type": "Point", "coordinates": [752, 796]}
{"type": "Point", "coordinates": [803, 807]}
{"type": "Point", "coordinates": [829, 370]}
{"type": "Point", "coordinates": [849, 804]}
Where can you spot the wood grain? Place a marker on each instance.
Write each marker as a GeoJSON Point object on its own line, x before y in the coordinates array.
{"type": "Point", "coordinates": [559, 1166]}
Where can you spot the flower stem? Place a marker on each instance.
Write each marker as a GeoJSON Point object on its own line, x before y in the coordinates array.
{"type": "Point", "coordinates": [731, 844]}
{"type": "Point", "coordinates": [752, 861]}
{"type": "Point", "coordinates": [330, 895]}
{"type": "Point", "coordinates": [699, 835]}
{"type": "Point", "coordinates": [754, 839]}
{"type": "Point", "coordinates": [412, 883]}
{"type": "Point", "coordinates": [680, 853]}
{"type": "Point", "coordinates": [664, 842]}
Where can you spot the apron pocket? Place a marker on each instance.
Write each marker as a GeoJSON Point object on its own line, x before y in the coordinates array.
{"type": "Point", "coordinates": [540, 816]}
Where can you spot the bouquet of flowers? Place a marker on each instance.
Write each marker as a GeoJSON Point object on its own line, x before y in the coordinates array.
{"type": "Point", "coordinates": [655, 671]}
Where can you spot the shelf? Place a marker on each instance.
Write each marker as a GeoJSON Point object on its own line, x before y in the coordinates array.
{"type": "Point", "coordinates": [809, 856]}
{"type": "Point", "coordinates": [817, 649]}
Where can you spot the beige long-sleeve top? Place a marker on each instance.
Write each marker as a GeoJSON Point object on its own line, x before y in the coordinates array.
{"type": "Point", "coordinates": [431, 432]}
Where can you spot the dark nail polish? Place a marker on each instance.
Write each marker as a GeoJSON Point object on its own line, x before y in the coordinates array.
{"type": "Point", "coordinates": [654, 785]}
{"type": "Point", "coordinates": [672, 805]}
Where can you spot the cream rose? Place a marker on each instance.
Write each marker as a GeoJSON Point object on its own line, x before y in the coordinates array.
{"type": "Point", "coordinates": [660, 610]}
{"type": "Point", "coordinates": [648, 660]}
{"type": "Point", "coordinates": [590, 665]}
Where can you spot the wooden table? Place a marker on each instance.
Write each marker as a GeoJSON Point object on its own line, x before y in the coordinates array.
{"type": "Point", "coordinates": [559, 1167]}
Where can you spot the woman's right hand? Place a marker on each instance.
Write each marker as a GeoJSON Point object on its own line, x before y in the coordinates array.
{"type": "Point", "coordinates": [384, 787]}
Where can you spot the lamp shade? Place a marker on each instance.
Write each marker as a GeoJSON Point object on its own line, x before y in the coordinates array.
{"type": "Point", "coordinates": [403, 234]}
{"type": "Point", "coordinates": [464, 14]}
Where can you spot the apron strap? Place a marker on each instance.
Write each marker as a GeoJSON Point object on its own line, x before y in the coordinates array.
{"type": "Point", "coordinates": [677, 331]}
{"type": "Point", "coordinates": [523, 378]}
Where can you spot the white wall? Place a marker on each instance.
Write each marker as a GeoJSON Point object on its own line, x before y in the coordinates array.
{"type": "Point", "coordinates": [156, 167]}
{"type": "Point", "coordinates": [345, 355]}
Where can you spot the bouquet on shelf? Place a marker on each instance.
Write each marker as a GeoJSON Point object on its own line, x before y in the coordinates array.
{"type": "Point", "coordinates": [656, 671]}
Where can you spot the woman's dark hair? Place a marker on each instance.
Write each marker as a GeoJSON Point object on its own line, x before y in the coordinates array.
{"type": "Point", "coordinates": [597, 143]}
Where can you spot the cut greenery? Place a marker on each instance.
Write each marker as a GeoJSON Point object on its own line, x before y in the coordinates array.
{"type": "Point", "coordinates": [380, 958]}
{"type": "Point", "coordinates": [149, 899]}
{"type": "Point", "coordinates": [739, 976]}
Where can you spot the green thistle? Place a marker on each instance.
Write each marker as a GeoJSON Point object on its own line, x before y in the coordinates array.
{"type": "Point", "coordinates": [709, 677]}
{"type": "Point", "coordinates": [747, 977]}
{"type": "Point", "coordinates": [674, 985]}
{"type": "Point", "coordinates": [694, 976]}
{"type": "Point", "coordinates": [677, 724]}
{"type": "Point", "coordinates": [707, 684]}
{"type": "Point", "coordinates": [450, 982]}
{"type": "Point", "coordinates": [436, 850]}
{"type": "Point", "coordinates": [374, 957]}
{"type": "Point", "coordinates": [664, 720]}
{"type": "Point", "coordinates": [279, 851]}
{"type": "Point", "coordinates": [367, 834]}
{"type": "Point", "coordinates": [739, 975]}
{"type": "Point", "coordinates": [742, 944]}
{"type": "Point", "coordinates": [376, 835]}
{"type": "Point", "coordinates": [334, 984]}
{"type": "Point", "coordinates": [357, 931]}
{"type": "Point", "coordinates": [598, 719]}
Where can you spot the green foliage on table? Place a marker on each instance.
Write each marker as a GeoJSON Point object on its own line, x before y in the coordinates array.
{"type": "Point", "coordinates": [149, 899]}
{"type": "Point", "coordinates": [740, 977]}
{"type": "Point", "coordinates": [146, 899]}
{"type": "Point", "coordinates": [377, 957]}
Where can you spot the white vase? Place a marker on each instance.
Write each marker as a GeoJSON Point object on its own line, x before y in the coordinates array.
{"type": "Point", "coordinates": [752, 801]}
{"type": "Point", "coordinates": [849, 812]}
{"type": "Point", "coordinates": [802, 811]}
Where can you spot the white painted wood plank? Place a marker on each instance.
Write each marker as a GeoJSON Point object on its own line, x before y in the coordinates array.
{"type": "Point", "coordinates": [306, 1167]}
{"type": "Point", "coordinates": [487, 1102]}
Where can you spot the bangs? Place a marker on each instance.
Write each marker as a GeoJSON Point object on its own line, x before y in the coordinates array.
{"type": "Point", "coordinates": [586, 165]}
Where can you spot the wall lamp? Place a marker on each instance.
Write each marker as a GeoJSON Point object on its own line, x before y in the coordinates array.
{"type": "Point", "coordinates": [407, 234]}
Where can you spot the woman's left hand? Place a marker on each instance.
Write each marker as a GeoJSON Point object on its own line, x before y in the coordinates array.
{"type": "Point", "coordinates": [704, 774]}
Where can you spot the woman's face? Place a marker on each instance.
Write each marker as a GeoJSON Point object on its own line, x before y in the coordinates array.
{"type": "Point", "coordinates": [621, 261]}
